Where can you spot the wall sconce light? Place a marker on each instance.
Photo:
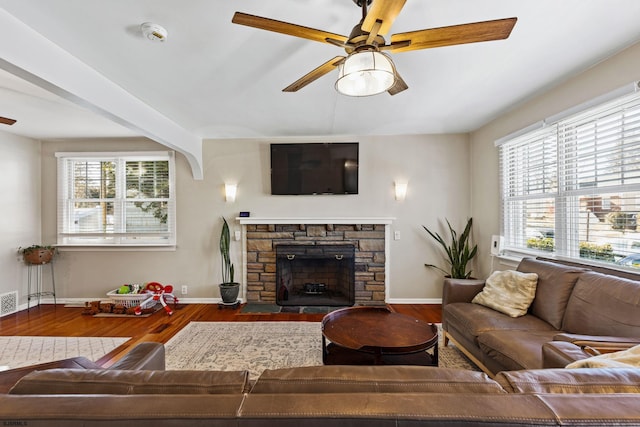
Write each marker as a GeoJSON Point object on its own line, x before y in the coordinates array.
{"type": "Point", "coordinates": [230, 192]}
{"type": "Point", "coordinates": [401, 190]}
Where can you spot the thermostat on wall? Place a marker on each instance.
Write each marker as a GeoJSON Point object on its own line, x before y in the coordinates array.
{"type": "Point", "coordinates": [244, 214]}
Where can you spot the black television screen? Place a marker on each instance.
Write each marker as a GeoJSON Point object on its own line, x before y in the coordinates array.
{"type": "Point", "coordinates": [314, 168]}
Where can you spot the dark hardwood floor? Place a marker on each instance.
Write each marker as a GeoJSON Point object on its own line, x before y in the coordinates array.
{"type": "Point", "coordinates": [57, 320]}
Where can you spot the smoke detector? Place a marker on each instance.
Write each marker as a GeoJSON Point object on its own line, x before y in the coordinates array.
{"type": "Point", "coordinates": [154, 32]}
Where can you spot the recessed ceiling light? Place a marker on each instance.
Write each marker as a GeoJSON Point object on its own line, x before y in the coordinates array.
{"type": "Point", "coordinates": [154, 32]}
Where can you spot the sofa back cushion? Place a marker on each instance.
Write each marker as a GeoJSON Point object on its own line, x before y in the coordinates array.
{"type": "Point", "coordinates": [555, 283]}
{"type": "Point", "coordinates": [571, 381]}
{"type": "Point", "coordinates": [604, 305]}
{"type": "Point", "coordinates": [373, 379]}
{"type": "Point", "coordinates": [101, 381]}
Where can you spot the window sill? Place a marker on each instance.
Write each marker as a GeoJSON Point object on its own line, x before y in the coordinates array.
{"type": "Point", "coordinates": [116, 248]}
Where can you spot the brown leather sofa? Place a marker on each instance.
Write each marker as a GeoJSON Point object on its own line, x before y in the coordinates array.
{"type": "Point", "coordinates": [146, 356]}
{"type": "Point", "coordinates": [371, 396]}
{"type": "Point", "coordinates": [573, 308]}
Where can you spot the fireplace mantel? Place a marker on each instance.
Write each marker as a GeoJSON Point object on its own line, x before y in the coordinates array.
{"type": "Point", "coordinates": [315, 220]}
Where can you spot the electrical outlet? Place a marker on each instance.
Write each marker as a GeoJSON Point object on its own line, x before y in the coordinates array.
{"type": "Point", "coordinates": [185, 289]}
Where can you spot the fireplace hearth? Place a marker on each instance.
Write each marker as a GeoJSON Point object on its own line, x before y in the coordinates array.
{"type": "Point", "coordinates": [315, 275]}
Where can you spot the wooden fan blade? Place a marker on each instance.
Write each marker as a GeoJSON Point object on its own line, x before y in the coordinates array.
{"type": "Point", "coordinates": [7, 121]}
{"type": "Point", "coordinates": [315, 74]}
{"type": "Point", "coordinates": [285, 28]}
{"type": "Point", "coordinates": [398, 86]}
{"type": "Point", "coordinates": [456, 34]}
{"type": "Point", "coordinates": [385, 11]}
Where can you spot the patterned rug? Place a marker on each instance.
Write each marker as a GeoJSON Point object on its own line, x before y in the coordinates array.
{"type": "Point", "coordinates": [256, 346]}
{"type": "Point", "coordinates": [18, 351]}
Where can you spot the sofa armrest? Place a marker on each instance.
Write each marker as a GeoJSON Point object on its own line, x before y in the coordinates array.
{"type": "Point", "coordinates": [558, 354]}
{"type": "Point", "coordinates": [603, 344]}
{"type": "Point", "coordinates": [144, 356]}
{"type": "Point", "coordinates": [460, 290]}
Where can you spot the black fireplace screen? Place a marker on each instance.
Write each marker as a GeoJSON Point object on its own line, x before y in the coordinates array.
{"type": "Point", "coordinates": [315, 275]}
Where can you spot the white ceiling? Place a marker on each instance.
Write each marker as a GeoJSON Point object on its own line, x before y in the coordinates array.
{"type": "Point", "coordinates": [215, 79]}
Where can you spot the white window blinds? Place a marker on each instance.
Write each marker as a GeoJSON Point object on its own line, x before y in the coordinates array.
{"type": "Point", "coordinates": [572, 188]}
{"type": "Point", "coordinates": [115, 199]}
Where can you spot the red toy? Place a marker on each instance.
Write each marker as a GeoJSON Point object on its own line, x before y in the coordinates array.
{"type": "Point", "coordinates": [160, 293]}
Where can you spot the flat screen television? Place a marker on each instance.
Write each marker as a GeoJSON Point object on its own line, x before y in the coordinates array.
{"type": "Point", "coordinates": [314, 168]}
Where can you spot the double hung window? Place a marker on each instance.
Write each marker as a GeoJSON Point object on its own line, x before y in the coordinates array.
{"type": "Point", "coordinates": [571, 187]}
{"type": "Point", "coordinates": [116, 199]}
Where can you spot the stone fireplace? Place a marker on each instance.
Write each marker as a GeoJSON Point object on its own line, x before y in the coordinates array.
{"type": "Point", "coordinates": [335, 253]}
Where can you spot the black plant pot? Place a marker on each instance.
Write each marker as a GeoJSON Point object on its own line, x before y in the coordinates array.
{"type": "Point", "coordinates": [229, 292]}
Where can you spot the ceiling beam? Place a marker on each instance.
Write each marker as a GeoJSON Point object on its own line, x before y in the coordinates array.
{"type": "Point", "coordinates": [32, 57]}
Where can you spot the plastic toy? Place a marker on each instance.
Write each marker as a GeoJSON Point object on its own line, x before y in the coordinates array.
{"type": "Point", "coordinates": [160, 293]}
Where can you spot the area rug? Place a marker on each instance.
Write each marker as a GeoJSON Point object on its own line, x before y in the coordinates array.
{"type": "Point", "coordinates": [18, 351]}
{"type": "Point", "coordinates": [256, 346]}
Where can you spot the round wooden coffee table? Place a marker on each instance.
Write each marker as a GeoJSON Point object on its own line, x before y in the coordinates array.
{"type": "Point", "coordinates": [377, 336]}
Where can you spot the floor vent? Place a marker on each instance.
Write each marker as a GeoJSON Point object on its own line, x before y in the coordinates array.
{"type": "Point", "coordinates": [8, 303]}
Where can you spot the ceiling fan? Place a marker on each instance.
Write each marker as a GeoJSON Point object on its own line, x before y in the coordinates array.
{"type": "Point", "coordinates": [366, 70]}
{"type": "Point", "coordinates": [7, 121]}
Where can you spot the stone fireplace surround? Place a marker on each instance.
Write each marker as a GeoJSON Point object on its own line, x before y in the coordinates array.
{"type": "Point", "coordinates": [370, 236]}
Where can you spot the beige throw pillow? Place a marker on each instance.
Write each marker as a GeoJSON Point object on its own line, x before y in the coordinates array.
{"type": "Point", "coordinates": [509, 292]}
{"type": "Point", "coordinates": [620, 359]}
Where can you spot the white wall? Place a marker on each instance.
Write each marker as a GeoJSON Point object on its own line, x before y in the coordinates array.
{"type": "Point", "coordinates": [450, 176]}
{"type": "Point", "coordinates": [611, 74]}
{"type": "Point", "coordinates": [435, 166]}
{"type": "Point", "coordinates": [20, 223]}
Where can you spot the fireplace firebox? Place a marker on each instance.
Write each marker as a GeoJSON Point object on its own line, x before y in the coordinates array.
{"type": "Point", "coordinates": [315, 275]}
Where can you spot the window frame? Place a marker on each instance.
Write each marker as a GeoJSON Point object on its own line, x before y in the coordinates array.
{"type": "Point", "coordinates": [566, 196]}
{"type": "Point", "coordinates": [122, 240]}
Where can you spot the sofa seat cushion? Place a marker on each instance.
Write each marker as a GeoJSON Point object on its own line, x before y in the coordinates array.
{"type": "Point", "coordinates": [101, 381]}
{"type": "Point", "coordinates": [555, 283]}
{"type": "Point", "coordinates": [373, 379]}
{"type": "Point", "coordinates": [571, 381]}
{"type": "Point", "coordinates": [603, 305]}
{"type": "Point", "coordinates": [474, 319]}
{"type": "Point", "coordinates": [509, 292]}
{"type": "Point", "coordinates": [515, 350]}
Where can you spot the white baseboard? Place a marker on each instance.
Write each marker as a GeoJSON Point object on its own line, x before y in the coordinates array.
{"type": "Point", "coordinates": [414, 301]}
{"type": "Point", "coordinates": [80, 301]}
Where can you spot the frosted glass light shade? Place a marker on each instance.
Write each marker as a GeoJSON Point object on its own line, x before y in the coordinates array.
{"type": "Point", "coordinates": [401, 190]}
{"type": "Point", "coordinates": [365, 73]}
{"type": "Point", "coordinates": [230, 192]}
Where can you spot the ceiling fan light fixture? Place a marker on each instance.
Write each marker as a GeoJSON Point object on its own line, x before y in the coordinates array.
{"type": "Point", "coordinates": [366, 73]}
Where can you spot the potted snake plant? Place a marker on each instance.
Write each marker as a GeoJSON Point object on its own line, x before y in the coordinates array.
{"type": "Point", "coordinates": [459, 252]}
{"type": "Point", "coordinates": [229, 288]}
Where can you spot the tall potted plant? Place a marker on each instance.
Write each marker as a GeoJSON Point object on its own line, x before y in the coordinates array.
{"type": "Point", "coordinates": [459, 253]}
{"type": "Point", "coordinates": [228, 288]}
